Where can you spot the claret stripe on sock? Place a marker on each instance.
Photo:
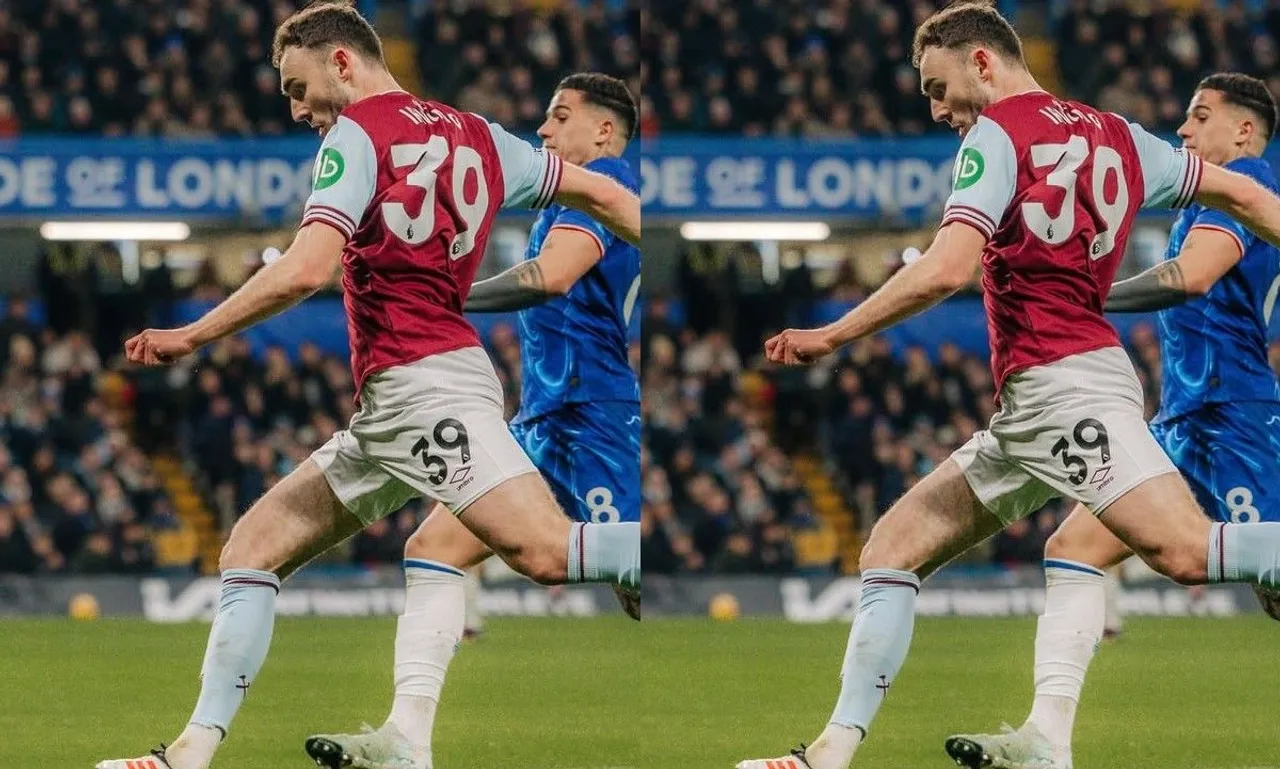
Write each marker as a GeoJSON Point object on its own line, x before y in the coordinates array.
{"type": "Point", "coordinates": [890, 582]}
{"type": "Point", "coordinates": [582, 556]}
{"type": "Point", "coordinates": [1222, 552]}
{"type": "Point", "coordinates": [247, 582]}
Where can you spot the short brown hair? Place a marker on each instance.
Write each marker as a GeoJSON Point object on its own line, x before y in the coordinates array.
{"type": "Point", "coordinates": [1245, 91]}
{"type": "Point", "coordinates": [324, 24]}
{"type": "Point", "coordinates": [609, 92]}
{"type": "Point", "coordinates": [968, 25]}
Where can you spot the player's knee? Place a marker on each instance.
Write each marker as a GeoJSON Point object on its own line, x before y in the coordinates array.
{"type": "Point", "coordinates": [240, 553]}
{"type": "Point", "coordinates": [1184, 565]}
{"type": "Point", "coordinates": [1061, 545]}
{"type": "Point", "coordinates": [424, 547]}
{"type": "Point", "coordinates": [546, 566]}
{"type": "Point", "coordinates": [879, 553]}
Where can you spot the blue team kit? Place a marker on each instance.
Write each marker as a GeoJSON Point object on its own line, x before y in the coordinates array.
{"type": "Point", "coordinates": [1219, 417]}
{"type": "Point", "coordinates": [579, 417]}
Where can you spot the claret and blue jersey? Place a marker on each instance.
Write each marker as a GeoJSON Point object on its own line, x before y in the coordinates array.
{"type": "Point", "coordinates": [1219, 416]}
{"type": "Point", "coordinates": [579, 416]}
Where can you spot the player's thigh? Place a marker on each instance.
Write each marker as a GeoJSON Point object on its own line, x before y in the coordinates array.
{"type": "Point", "coordinates": [1229, 454]}
{"type": "Point", "coordinates": [936, 520]}
{"type": "Point", "coordinates": [1162, 523]}
{"type": "Point", "coordinates": [521, 522]}
{"type": "Point", "coordinates": [445, 539]}
{"type": "Point", "coordinates": [589, 454]}
{"type": "Point", "coordinates": [297, 519]}
{"type": "Point", "coordinates": [1084, 539]}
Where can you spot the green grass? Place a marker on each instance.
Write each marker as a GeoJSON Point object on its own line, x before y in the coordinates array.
{"type": "Point", "coordinates": [590, 694]}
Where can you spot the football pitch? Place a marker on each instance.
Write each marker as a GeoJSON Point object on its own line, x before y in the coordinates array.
{"type": "Point", "coordinates": [613, 694]}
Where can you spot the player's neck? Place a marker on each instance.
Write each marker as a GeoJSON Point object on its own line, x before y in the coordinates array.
{"type": "Point", "coordinates": [377, 85]}
{"type": "Point", "coordinates": [1019, 83]}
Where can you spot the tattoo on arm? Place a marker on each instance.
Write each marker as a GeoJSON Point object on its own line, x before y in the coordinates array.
{"type": "Point", "coordinates": [520, 287]}
{"type": "Point", "coordinates": [1160, 287]}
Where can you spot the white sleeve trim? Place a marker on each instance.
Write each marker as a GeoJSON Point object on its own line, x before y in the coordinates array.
{"type": "Point", "coordinates": [550, 181]}
{"type": "Point", "coordinates": [1190, 182]}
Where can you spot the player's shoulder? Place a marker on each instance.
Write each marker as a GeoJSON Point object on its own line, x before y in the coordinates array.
{"type": "Point", "coordinates": [387, 117]}
{"type": "Point", "coordinates": [617, 169]}
{"type": "Point", "coordinates": [1255, 168]}
{"type": "Point", "coordinates": [1039, 117]}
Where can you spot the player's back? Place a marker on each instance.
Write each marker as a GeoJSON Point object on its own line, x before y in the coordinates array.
{"type": "Point", "coordinates": [574, 348]}
{"type": "Point", "coordinates": [1214, 349]}
{"type": "Point", "coordinates": [415, 185]}
{"type": "Point", "coordinates": [1055, 186]}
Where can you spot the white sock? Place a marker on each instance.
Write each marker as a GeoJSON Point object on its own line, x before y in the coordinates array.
{"type": "Point", "coordinates": [878, 645]}
{"type": "Point", "coordinates": [834, 748]}
{"type": "Point", "coordinates": [194, 748]}
{"type": "Point", "coordinates": [1067, 636]}
{"type": "Point", "coordinates": [474, 621]}
{"type": "Point", "coordinates": [1114, 619]}
{"type": "Point", "coordinates": [605, 552]}
{"type": "Point", "coordinates": [238, 644]}
{"type": "Point", "coordinates": [427, 636]}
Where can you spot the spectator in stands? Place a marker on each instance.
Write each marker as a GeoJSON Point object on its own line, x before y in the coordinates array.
{"type": "Point", "coordinates": [501, 60]}
{"type": "Point", "coordinates": [1109, 55]}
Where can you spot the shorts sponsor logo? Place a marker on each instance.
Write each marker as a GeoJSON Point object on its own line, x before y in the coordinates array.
{"type": "Point", "coordinates": [1102, 477]}
{"type": "Point", "coordinates": [462, 477]}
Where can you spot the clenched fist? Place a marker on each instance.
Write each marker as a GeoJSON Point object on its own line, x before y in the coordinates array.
{"type": "Point", "coordinates": [795, 347]}
{"type": "Point", "coordinates": [157, 347]}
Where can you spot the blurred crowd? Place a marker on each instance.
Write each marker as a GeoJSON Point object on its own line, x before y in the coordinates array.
{"type": "Point", "coordinates": [790, 68]}
{"type": "Point", "coordinates": [719, 495]}
{"type": "Point", "coordinates": [503, 60]}
{"type": "Point", "coordinates": [76, 493]}
{"type": "Point", "coordinates": [1144, 61]}
{"type": "Point", "coordinates": [200, 69]}
{"type": "Point", "coordinates": [842, 68]}
{"type": "Point", "coordinates": [151, 68]}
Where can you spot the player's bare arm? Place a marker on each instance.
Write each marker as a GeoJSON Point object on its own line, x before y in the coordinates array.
{"type": "Point", "coordinates": [566, 255]}
{"type": "Point", "coordinates": [307, 266]}
{"type": "Point", "coordinates": [1243, 199]}
{"type": "Point", "coordinates": [945, 268]}
{"type": "Point", "coordinates": [1206, 256]}
{"type": "Point", "coordinates": [603, 199]}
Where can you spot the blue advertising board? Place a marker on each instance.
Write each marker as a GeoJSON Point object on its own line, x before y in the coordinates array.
{"type": "Point", "coordinates": [903, 181]}
{"type": "Point", "coordinates": [247, 181]}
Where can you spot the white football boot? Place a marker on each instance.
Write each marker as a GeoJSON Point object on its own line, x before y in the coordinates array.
{"type": "Point", "coordinates": [383, 748]}
{"type": "Point", "coordinates": [1024, 748]}
{"type": "Point", "coordinates": [794, 761]}
{"type": "Point", "coordinates": [154, 761]}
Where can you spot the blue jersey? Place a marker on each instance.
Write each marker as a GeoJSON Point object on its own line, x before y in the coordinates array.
{"type": "Point", "coordinates": [1214, 349]}
{"type": "Point", "coordinates": [574, 348]}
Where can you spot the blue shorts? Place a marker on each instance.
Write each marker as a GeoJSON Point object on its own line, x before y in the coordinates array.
{"type": "Point", "coordinates": [1230, 455]}
{"type": "Point", "coordinates": [590, 455]}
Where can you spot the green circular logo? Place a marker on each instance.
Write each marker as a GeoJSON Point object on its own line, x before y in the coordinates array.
{"type": "Point", "coordinates": [329, 168]}
{"type": "Point", "coordinates": [969, 168]}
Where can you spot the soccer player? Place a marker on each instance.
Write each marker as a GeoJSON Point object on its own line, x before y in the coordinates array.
{"type": "Point", "coordinates": [1044, 196]}
{"type": "Point", "coordinates": [1219, 400]}
{"type": "Point", "coordinates": [579, 414]}
{"type": "Point", "coordinates": [404, 197]}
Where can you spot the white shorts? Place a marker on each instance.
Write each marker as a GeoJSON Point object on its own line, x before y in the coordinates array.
{"type": "Point", "coordinates": [1073, 428]}
{"type": "Point", "coordinates": [433, 428]}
